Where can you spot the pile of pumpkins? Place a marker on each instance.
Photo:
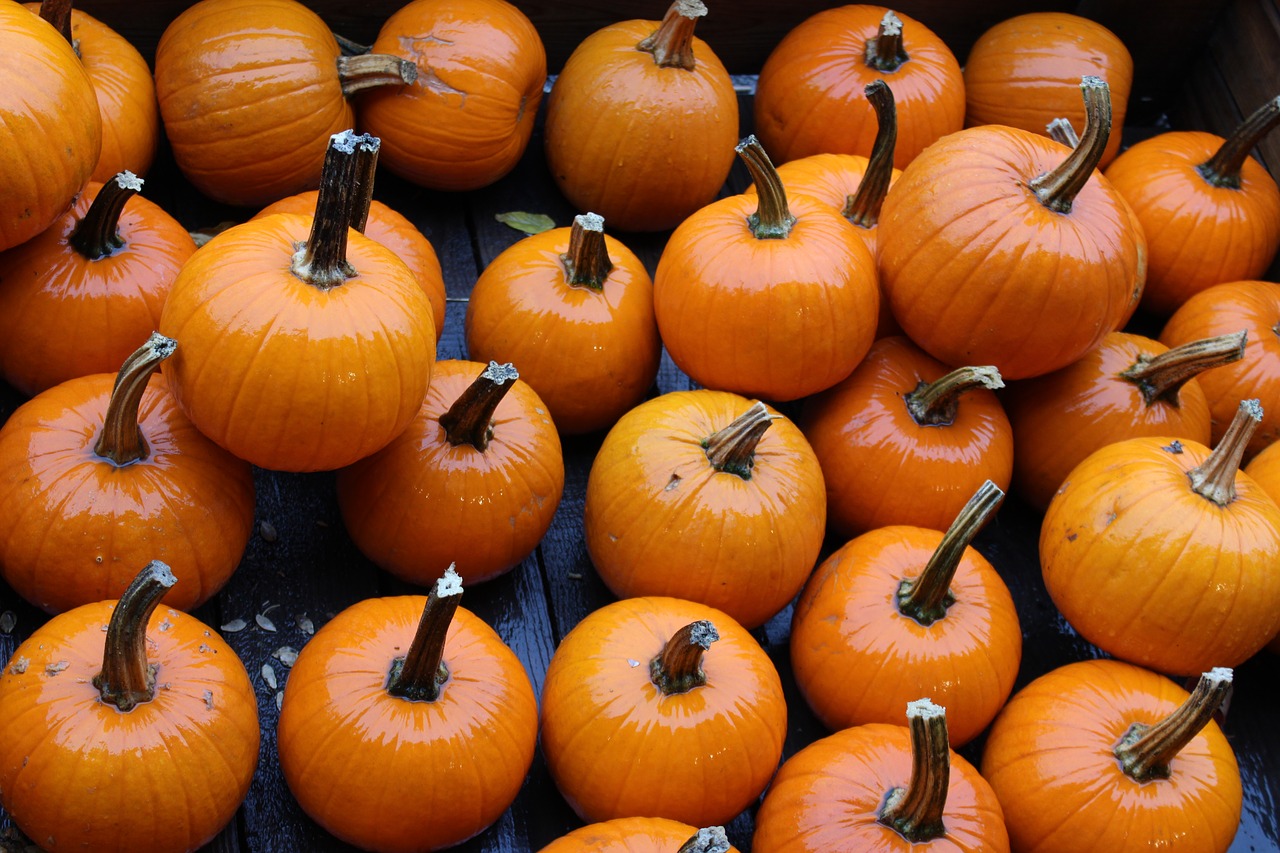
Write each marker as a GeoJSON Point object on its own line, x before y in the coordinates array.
{"type": "Point", "coordinates": [923, 242]}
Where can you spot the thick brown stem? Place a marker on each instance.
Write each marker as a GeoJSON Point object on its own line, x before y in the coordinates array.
{"type": "Point", "coordinates": [587, 263]}
{"type": "Point", "coordinates": [97, 235]}
{"type": "Point", "coordinates": [419, 675]}
{"type": "Point", "coordinates": [1145, 752]}
{"type": "Point", "coordinates": [672, 43]}
{"type": "Point", "coordinates": [1215, 478]}
{"type": "Point", "coordinates": [127, 679]}
{"type": "Point", "coordinates": [370, 70]}
{"type": "Point", "coordinates": [470, 418]}
{"type": "Point", "coordinates": [712, 839]}
{"type": "Point", "coordinates": [678, 669]}
{"type": "Point", "coordinates": [1057, 189]}
{"type": "Point", "coordinates": [362, 174]}
{"type": "Point", "coordinates": [772, 219]}
{"type": "Point", "coordinates": [885, 52]}
{"type": "Point", "coordinates": [916, 810]}
{"type": "Point", "coordinates": [1161, 377]}
{"type": "Point", "coordinates": [927, 598]}
{"type": "Point", "coordinates": [935, 403]}
{"type": "Point", "coordinates": [1223, 168]}
{"type": "Point", "coordinates": [121, 438]}
{"type": "Point", "coordinates": [1062, 130]}
{"type": "Point", "coordinates": [322, 261]}
{"type": "Point", "coordinates": [863, 207]}
{"type": "Point", "coordinates": [58, 14]}
{"type": "Point", "coordinates": [733, 448]}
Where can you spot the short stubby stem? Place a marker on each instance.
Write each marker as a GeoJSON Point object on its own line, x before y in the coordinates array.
{"type": "Point", "coordinates": [364, 71]}
{"type": "Point", "coordinates": [672, 43]}
{"type": "Point", "coordinates": [470, 418]}
{"type": "Point", "coordinates": [421, 673]}
{"type": "Point", "coordinates": [586, 263]}
{"type": "Point", "coordinates": [733, 448]}
{"type": "Point", "coordinates": [1215, 478]}
{"type": "Point", "coordinates": [936, 403]}
{"type": "Point", "coordinates": [711, 839]}
{"type": "Point", "coordinates": [885, 52]}
{"type": "Point", "coordinates": [678, 668]}
{"type": "Point", "coordinates": [97, 235]}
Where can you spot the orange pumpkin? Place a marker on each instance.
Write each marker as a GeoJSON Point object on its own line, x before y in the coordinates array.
{"type": "Point", "coordinates": [474, 480]}
{"type": "Point", "coordinates": [641, 835]}
{"type": "Point", "coordinates": [881, 789]}
{"type": "Point", "coordinates": [101, 471]}
{"type": "Point", "coordinates": [574, 308]}
{"type": "Point", "coordinates": [467, 119]}
{"type": "Point", "coordinates": [661, 707]}
{"type": "Point", "coordinates": [641, 122]}
{"type": "Point", "coordinates": [79, 297]}
{"type": "Point", "coordinates": [810, 94]}
{"type": "Point", "coordinates": [443, 716]}
{"type": "Point", "coordinates": [704, 496]}
{"type": "Point", "coordinates": [150, 743]}
{"type": "Point", "coordinates": [1062, 258]}
{"type": "Point", "coordinates": [1112, 753]}
{"type": "Point", "coordinates": [1162, 553]}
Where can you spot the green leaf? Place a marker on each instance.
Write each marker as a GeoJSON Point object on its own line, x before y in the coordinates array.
{"type": "Point", "coordinates": [529, 223]}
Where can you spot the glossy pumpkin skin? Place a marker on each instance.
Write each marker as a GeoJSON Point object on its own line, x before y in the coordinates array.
{"type": "Point", "coordinates": [617, 746]}
{"type": "Point", "coordinates": [1052, 284]}
{"type": "Point", "coordinates": [468, 118]}
{"type": "Point", "coordinates": [249, 95]}
{"type": "Point", "coordinates": [881, 467]}
{"type": "Point", "coordinates": [590, 354]}
{"type": "Point", "coordinates": [50, 129]}
{"type": "Point", "coordinates": [265, 358]}
{"type": "Point", "coordinates": [640, 144]}
{"type": "Point", "coordinates": [1049, 758]}
{"type": "Point", "coordinates": [453, 765]}
{"type": "Point", "coordinates": [1130, 554]}
{"type": "Point", "coordinates": [78, 774]}
{"type": "Point", "coordinates": [810, 95]}
{"type": "Point", "coordinates": [659, 519]}
{"type": "Point", "coordinates": [1222, 310]}
{"type": "Point", "coordinates": [1061, 418]}
{"type": "Point", "coordinates": [626, 835]}
{"type": "Point", "coordinates": [828, 795]}
{"type": "Point", "coordinates": [64, 315]}
{"type": "Point", "coordinates": [1025, 71]}
{"type": "Point", "coordinates": [421, 504]}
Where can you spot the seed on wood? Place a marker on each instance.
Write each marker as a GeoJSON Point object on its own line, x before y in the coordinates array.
{"type": "Point", "coordinates": [267, 531]}
{"type": "Point", "coordinates": [287, 655]}
{"type": "Point", "coordinates": [305, 625]}
{"type": "Point", "coordinates": [269, 675]}
{"type": "Point", "coordinates": [233, 626]}
{"type": "Point", "coordinates": [8, 621]}
{"type": "Point", "coordinates": [264, 623]}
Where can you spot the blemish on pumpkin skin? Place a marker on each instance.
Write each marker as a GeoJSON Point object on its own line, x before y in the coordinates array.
{"type": "Point", "coordinates": [1111, 516]}
{"type": "Point", "coordinates": [673, 483]}
{"type": "Point", "coordinates": [1071, 537]}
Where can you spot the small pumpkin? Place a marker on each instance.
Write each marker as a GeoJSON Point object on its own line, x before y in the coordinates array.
{"type": "Point", "coordinates": [642, 835]}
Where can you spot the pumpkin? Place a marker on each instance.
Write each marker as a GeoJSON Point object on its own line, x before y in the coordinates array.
{"type": "Point", "coordinates": [904, 440]}
{"type": "Point", "coordinates": [880, 788]}
{"type": "Point", "coordinates": [706, 496]}
{"type": "Point", "coordinates": [441, 715]}
{"type": "Point", "coordinates": [641, 122]}
{"type": "Point", "coordinates": [1021, 72]}
{"type": "Point", "coordinates": [50, 128]}
{"type": "Point", "coordinates": [1062, 258]}
{"type": "Point", "coordinates": [99, 471]}
{"type": "Point", "coordinates": [468, 118]}
{"type": "Point", "coordinates": [809, 99]}
{"type": "Point", "coordinates": [574, 308]}
{"type": "Point", "coordinates": [661, 707]}
{"type": "Point", "coordinates": [641, 835]}
{"type": "Point", "coordinates": [250, 92]}
{"type": "Point", "coordinates": [763, 297]}
{"type": "Point", "coordinates": [1211, 213]}
{"type": "Point", "coordinates": [1162, 553]}
{"type": "Point", "coordinates": [475, 479]}
{"type": "Point", "coordinates": [278, 342]}
{"type": "Point", "coordinates": [1109, 752]}
{"type": "Point", "coordinates": [125, 726]}
{"type": "Point", "coordinates": [79, 297]}
{"type": "Point", "coordinates": [1127, 386]}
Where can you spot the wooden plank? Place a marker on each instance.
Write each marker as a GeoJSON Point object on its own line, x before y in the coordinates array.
{"type": "Point", "coordinates": [1246, 50]}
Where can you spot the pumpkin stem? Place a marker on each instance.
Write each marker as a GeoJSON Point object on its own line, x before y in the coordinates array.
{"type": "Point", "coordinates": [863, 207]}
{"type": "Point", "coordinates": [58, 14]}
{"type": "Point", "coordinates": [1057, 189]}
{"type": "Point", "coordinates": [1223, 168]}
{"type": "Point", "coordinates": [419, 675]}
{"type": "Point", "coordinates": [126, 679]}
{"type": "Point", "coordinates": [370, 70]}
{"type": "Point", "coordinates": [1215, 478]}
{"type": "Point", "coordinates": [678, 669]}
{"type": "Point", "coordinates": [733, 448]}
{"type": "Point", "coordinates": [587, 263]}
{"type": "Point", "coordinates": [935, 403]}
{"type": "Point", "coordinates": [350, 47]}
{"type": "Point", "coordinates": [1145, 752]}
{"type": "Point", "coordinates": [322, 261]}
{"type": "Point", "coordinates": [926, 598]}
{"type": "Point", "coordinates": [1161, 377]}
{"type": "Point", "coordinates": [1062, 130]}
{"type": "Point", "coordinates": [885, 52]}
{"type": "Point", "coordinates": [712, 839]}
{"type": "Point", "coordinates": [97, 234]}
{"type": "Point", "coordinates": [470, 418]}
{"type": "Point", "coordinates": [772, 219]}
{"type": "Point", "coordinates": [362, 175]}
{"type": "Point", "coordinates": [916, 810]}
{"type": "Point", "coordinates": [672, 43]}
{"type": "Point", "coordinates": [121, 438]}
